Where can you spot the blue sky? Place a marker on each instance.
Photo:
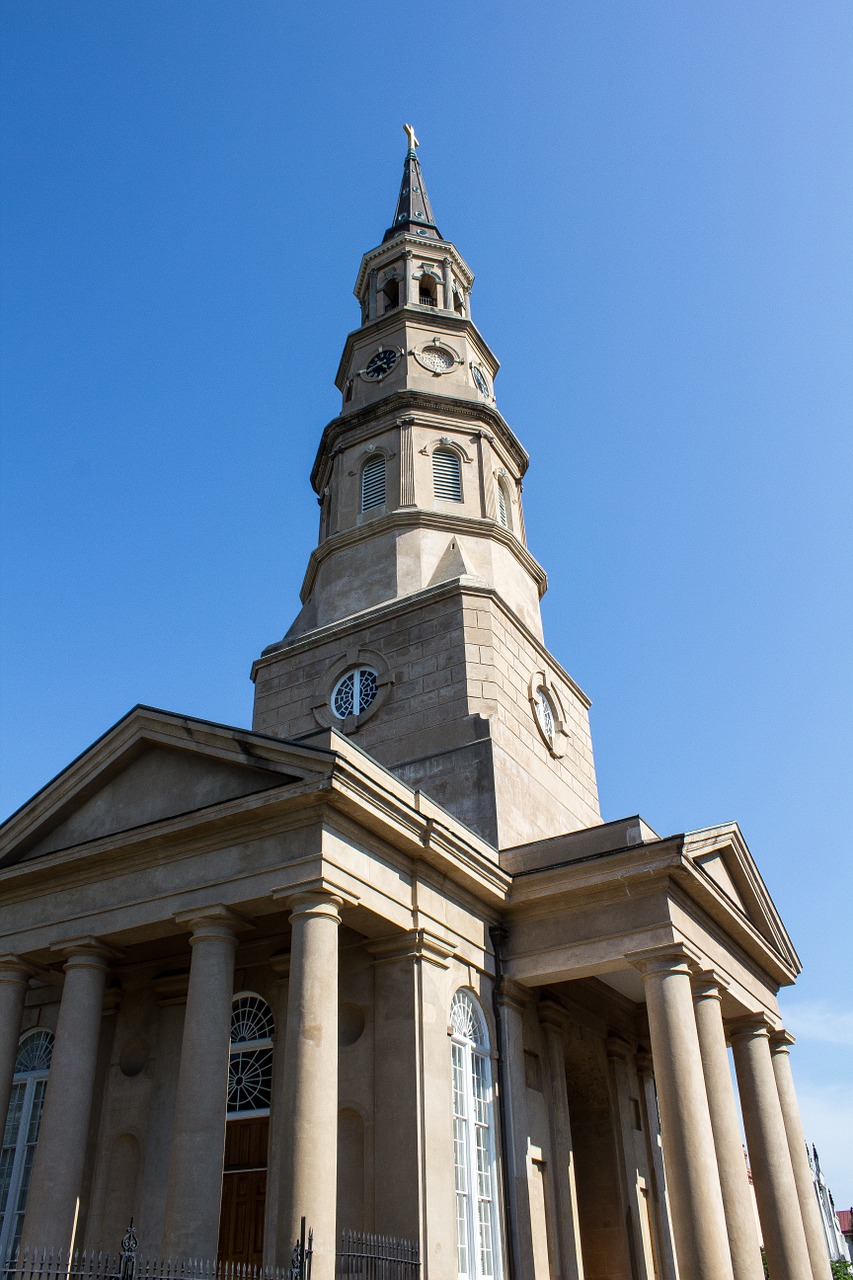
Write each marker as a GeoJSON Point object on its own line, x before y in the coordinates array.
{"type": "Point", "coordinates": [656, 200]}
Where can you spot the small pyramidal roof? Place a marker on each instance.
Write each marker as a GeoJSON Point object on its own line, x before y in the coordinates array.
{"type": "Point", "coordinates": [414, 212]}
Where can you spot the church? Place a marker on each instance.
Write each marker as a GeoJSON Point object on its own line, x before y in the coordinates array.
{"type": "Point", "coordinates": [377, 962]}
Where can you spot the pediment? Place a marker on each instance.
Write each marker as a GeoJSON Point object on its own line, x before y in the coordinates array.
{"type": "Point", "coordinates": [151, 767]}
{"type": "Point", "coordinates": [721, 856]}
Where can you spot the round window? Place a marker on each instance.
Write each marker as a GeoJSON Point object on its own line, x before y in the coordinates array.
{"type": "Point", "coordinates": [545, 714]}
{"type": "Point", "coordinates": [354, 692]}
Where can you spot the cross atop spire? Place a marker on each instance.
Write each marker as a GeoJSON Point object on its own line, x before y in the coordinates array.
{"type": "Point", "coordinates": [414, 212]}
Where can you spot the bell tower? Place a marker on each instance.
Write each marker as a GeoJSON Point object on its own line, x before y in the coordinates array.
{"type": "Point", "coordinates": [420, 632]}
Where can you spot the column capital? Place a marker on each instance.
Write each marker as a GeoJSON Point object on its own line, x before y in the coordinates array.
{"type": "Point", "coordinates": [280, 965]}
{"type": "Point", "coordinates": [85, 952]}
{"type": "Point", "coordinates": [752, 1026]}
{"type": "Point", "coordinates": [414, 944]}
{"type": "Point", "coordinates": [15, 970]}
{"type": "Point", "coordinates": [670, 957]}
{"type": "Point", "coordinates": [512, 995]}
{"type": "Point", "coordinates": [214, 921]}
{"type": "Point", "coordinates": [617, 1049]}
{"type": "Point", "coordinates": [781, 1041]}
{"type": "Point", "coordinates": [552, 1016]}
{"type": "Point", "coordinates": [709, 985]}
{"type": "Point", "coordinates": [317, 895]}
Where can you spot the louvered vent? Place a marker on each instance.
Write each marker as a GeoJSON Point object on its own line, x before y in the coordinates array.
{"type": "Point", "coordinates": [502, 507]}
{"type": "Point", "coordinates": [373, 483]}
{"type": "Point", "coordinates": [446, 475]}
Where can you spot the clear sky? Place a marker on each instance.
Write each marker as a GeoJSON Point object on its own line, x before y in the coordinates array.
{"type": "Point", "coordinates": [656, 199]}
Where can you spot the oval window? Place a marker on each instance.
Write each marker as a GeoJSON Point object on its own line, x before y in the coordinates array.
{"type": "Point", "coordinates": [354, 692]}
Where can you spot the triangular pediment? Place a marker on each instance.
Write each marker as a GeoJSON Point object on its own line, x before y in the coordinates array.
{"type": "Point", "coordinates": [152, 766]}
{"type": "Point", "coordinates": [722, 858]}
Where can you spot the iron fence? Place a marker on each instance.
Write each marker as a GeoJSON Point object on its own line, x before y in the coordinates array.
{"type": "Point", "coordinates": [58, 1264]}
{"type": "Point", "coordinates": [363, 1256]}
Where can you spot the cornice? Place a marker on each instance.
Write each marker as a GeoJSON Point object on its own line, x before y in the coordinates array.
{"type": "Point", "coordinates": [408, 518]}
{"type": "Point", "coordinates": [400, 404]}
{"type": "Point", "coordinates": [395, 608]}
{"type": "Point", "coordinates": [391, 249]}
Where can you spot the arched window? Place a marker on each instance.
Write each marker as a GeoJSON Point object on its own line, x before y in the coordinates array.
{"type": "Point", "coordinates": [427, 295]}
{"type": "Point", "coordinates": [391, 294]}
{"type": "Point", "coordinates": [373, 482]}
{"type": "Point", "coordinates": [19, 1139]}
{"type": "Point", "coordinates": [354, 692]}
{"type": "Point", "coordinates": [477, 1239]}
{"type": "Point", "coordinates": [250, 1061]}
{"type": "Point", "coordinates": [447, 475]}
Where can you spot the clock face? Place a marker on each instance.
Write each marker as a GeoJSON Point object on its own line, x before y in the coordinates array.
{"type": "Point", "coordinates": [482, 385]}
{"type": "Point", "coordinates": [381, 364]}
{"type": "Point", "coordinates": [439, 359]}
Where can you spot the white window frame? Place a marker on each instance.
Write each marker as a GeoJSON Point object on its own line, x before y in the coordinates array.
{"type": "Point", "coordinates": [356, 673]}
{"type": "Point", "coordinates": [262, 1047]}
{"type": "Point", "coordinates": [470, 1064]}
{"type": "Point", "coordinates": [28, 1088]}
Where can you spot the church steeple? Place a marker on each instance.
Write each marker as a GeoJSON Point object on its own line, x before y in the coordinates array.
{"type": "Point", "coordinates": [414, 211]}
{"type": "Point", "coordinates": [420, 629]}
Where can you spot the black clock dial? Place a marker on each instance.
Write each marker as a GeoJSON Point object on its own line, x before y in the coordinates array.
{"type": "Point", "coordinates": [380, 364]}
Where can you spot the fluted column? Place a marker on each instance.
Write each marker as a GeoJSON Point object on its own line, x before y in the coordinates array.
{"type": "Point", "coordinates": [513, 1000]}
{"type": "Point", "coordinates": [310, 1081]}
{"type": "Point", "coordinates": [699, 1224]}
{"type": "Point", "coordinates": [743, 1237]}
{"type": "Point", "coordinates": [53, 1201]}
{"type": "Point", "coordinates": [14, 976]}
{"type": "Point", "coordinates": [194, 1185]}
{"type": "Point", "coordinates": [767, 1143]}
{"type": "Point", "coordinates": [564, 1190]}
{"type": "Point", "coordinates": [780, 1045]}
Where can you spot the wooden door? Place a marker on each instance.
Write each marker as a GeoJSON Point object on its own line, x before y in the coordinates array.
{"type": "Point", "coordinates": [244, 1187]}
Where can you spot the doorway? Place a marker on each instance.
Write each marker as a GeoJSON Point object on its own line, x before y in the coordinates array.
{"type": "Point", "coordinates": [244, 1191]}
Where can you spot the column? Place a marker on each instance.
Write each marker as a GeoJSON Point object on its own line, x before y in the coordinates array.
{"type": "Point", "coordinates": [194, 1184]}
{"type": "Point", "coordinates": [14, 976]}
{"type": "Point", "coordinates": [767, 1143]}
{"type": "Point", "coordinates": [661, 1223]}
{"type": "Point", "coordinates": [619, 1056]}
{"type": "Point", "coordinates": [54, 1195]}
{"type": "Point", "coordinates": [743, 1237]}
{"type": "Point", "coordinates": [513, 1000]}
{"type": "Point", "coordinates": [698, 1219]}
{"type": "Point", "coordinates": [280, 965]}
{"type": "Point", "coordinates": [564, 1190]}
{"type": "Point", "coordinates": [406, 290]}
{"type": "Point", "coordinates": [310, 1082]}
{"type": "Point", "coordinates": [448, 285]}
{"type": "Point", "coordinates": [371, 294]}
{"type": "Point", "coordinates": [780, 1046]}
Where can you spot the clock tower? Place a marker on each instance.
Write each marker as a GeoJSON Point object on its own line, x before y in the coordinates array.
{"type": "Point", "coordinates": [420, 632]}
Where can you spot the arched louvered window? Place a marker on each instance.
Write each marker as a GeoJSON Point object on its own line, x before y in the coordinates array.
{"type": "Point", "coordinates": [447, 475]}
{"type": "Point", "coordinates": [373, 482]}
{"type": "Point", "coordinates": [250, 1061]}
{"type": "Point", "coordinates": [477, 1238]}
{"type": "Point", "coordinates": [21, 1133]}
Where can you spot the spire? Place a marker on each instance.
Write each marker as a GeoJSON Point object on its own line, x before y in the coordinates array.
{"type": "Point", "coordinates": [414, 212]}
